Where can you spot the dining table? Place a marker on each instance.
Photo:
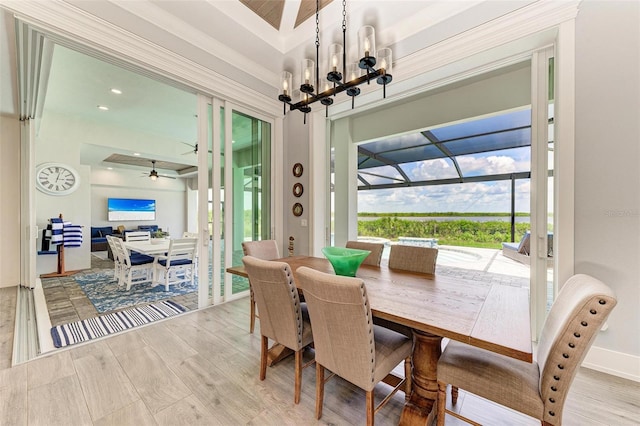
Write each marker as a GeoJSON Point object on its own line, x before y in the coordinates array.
{"type": "Point", "coordinates": [490, 316]}
{"type": "Point", "coordinates": [149, 248]}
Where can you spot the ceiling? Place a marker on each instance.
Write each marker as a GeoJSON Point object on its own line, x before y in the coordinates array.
{"type": "Point", "coordinates": [250, 41]}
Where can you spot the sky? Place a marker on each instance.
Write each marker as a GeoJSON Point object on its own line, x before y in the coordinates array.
{"type": "Point", "coordinates": [491, 197]}
{"type": "Point", "coordinates": [506, 130]}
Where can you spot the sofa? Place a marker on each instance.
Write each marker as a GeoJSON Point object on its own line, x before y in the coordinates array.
{"type": "Point", "coordinates": [99, 237]}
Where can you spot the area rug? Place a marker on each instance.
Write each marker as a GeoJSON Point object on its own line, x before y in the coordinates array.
{"type": "Point", "coordinates": [106, 295]}
{"type": "Point", "coordinates": [103, 325]}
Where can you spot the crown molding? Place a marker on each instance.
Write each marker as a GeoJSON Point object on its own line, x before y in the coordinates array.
{"type": "Point", "coordinates": [534, 18]}
{"type": "Point", "coordinates": [63, 22]}
{"type": "Point", "coordinates": [151, 13]}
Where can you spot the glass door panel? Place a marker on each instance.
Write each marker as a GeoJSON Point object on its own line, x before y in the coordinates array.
{"type": "Point", "coordinates": [247, 190]}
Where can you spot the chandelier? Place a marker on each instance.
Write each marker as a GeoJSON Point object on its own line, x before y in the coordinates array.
{"type": "Point", "coordinates": [341, 77]}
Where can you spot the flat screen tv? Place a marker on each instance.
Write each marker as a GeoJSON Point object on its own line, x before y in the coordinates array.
{"type": "Point", "coordinates": [120, 209]}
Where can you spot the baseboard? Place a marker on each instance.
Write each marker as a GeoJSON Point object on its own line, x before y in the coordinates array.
{"type": "Point", "coordinates": [42, 319]}
{"type": "Point", "coordinates": [614, 363]}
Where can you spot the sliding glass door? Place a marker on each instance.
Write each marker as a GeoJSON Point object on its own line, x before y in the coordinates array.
{"type": "Point", "coordinates": [239, 191]}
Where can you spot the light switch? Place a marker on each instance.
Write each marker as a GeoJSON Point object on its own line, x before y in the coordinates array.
{"type": "Point", "coordinates": [303, 222]}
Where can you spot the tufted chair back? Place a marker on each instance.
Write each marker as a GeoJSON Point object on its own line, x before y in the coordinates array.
{"type": "Point", "coordinates": [576, 316]}
{"type": "Point", "coordinates": [263, 249]}
{"type": "Point", "coordinates": [342, 326]}
{"type": "Point", "coordinates": [413, 258]}
{"type": "Point", "coordinates": [278, 302]}
{"type": "Point", "coordinates": [376, 250]}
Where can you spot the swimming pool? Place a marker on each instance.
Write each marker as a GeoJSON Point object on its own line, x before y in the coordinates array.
{"type": "Point", "coordinates": [446, 256]}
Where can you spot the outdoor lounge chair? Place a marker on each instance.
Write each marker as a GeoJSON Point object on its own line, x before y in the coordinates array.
{"type": "Point", "coordinates": [521, 251]}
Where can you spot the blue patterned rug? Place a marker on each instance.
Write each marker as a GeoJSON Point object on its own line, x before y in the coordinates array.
{"type": "Point", "coordinates": [104, 293]}
{"type": "Point", "coordinates": [103, 325]}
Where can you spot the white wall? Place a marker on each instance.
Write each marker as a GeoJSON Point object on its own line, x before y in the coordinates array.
{"type": "Point", "coordinates": [64, 139]}
{"type": "Point", "coordinates": [484, 94]}
{"type": "Point", "coordinates": [607, 193]}
{"type": "Point", "coordinates": [9, 201]}
{"type": "Point", "coordinates": [296, 137]}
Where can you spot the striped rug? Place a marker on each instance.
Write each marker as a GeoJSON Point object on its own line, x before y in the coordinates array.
{"type": "Point", "coordinates": [103, 325]}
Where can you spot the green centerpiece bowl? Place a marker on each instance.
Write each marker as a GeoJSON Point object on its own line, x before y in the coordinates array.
{"type": "Point", "coordinates": [345, 261]}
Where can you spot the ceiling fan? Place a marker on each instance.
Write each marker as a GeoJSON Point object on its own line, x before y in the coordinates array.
{"type": "Point", "coordinates": [154, 175]}
{"type": "Point", "coordinates": [194, 150]}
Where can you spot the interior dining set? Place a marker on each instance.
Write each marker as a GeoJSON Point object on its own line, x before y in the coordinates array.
{"type": "Point", "coordinates": [140, 260]}
{"type": "Point", "coordinates": [345, 330]}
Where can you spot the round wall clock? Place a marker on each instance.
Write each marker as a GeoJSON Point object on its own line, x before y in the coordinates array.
{"type": "Point", "coordinates": [297, 209]}
{"type": "Point", "coordinates": [297, 170]}
{"type": "Point", "coordinates": [57, 179]}
{"type": "Point", "coordinates": [298, 189]}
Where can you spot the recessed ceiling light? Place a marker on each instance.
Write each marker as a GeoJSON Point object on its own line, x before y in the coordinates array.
{"type": "Point", "coordinates": [103, 108]}
{"type": "Point", "coordinates": [109, 168]}
{"type": "Point", "coordinates": [136, 153]}
{"type": "Point", "coordinates": [116, 91]}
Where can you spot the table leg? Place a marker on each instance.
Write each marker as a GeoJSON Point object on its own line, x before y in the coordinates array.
{"type": "Point", "coordinates": [421, 407]}
{"type": "Point", "coordinates": [277, 353]}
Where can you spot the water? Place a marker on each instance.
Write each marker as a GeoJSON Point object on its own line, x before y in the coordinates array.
{"type": "Point", "coordinates": [519, 219]}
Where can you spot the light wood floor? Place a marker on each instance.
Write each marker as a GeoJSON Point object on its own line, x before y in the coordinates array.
{"type": "Point", "coordinates": [202, 368]}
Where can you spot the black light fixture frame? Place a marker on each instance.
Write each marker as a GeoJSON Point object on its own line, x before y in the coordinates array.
{"type": "Point", "coordinates": [351, 87]}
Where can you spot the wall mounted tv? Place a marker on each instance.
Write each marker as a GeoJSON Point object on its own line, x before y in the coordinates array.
{"type": "Point", "coordinates": [120, 209]}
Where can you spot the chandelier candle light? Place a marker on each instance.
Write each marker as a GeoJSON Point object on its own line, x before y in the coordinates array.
{"type": "Point", "coordinates": [341, 77]}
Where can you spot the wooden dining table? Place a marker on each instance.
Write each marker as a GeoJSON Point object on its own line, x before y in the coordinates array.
{"type": "Point", "coordinates": [494, 317]}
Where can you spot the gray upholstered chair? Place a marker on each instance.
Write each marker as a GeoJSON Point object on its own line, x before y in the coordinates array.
{"type": "Point", "coordinates": [538, 389]}
{"type": "Point", "coordinates": [265, 250]}
{"type": "Point", "coordinates": [413, 258]}
{"type": "Point", "coordinates": [375, 248]}
{"type": "Point", "coordinates": [343, 330]}
{"type": "Point", "coordinates": [283, 318]}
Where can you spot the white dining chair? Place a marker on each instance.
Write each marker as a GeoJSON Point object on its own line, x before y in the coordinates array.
{"type": "Point", "coordinates": [138, 236]}
{"type": "Point", "coordinates": [177, 265]}
{"type": "Point", "coordinates": [132, 264]}
{"type": "Point", "coordinates": [187, 234]}
{"type": "Point", "coordinates": [117, 259]}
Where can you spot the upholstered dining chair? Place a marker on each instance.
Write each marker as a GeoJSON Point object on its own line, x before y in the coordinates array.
{"type": "Point", "coordinates": [538, 389]}
{"type": "Point", "coordinates": [265, 250]}
{"type": "Point", "coordinates": [283, 318]}
{"type": "Point", "coordinates": [413, 258]}
{"type": "Point", "coordinates": [177, 265]}
{"type": "Point", "coordinates": [132, 263]}
{"type": "Point", "coordinates": [376, 250]}
{"type": "Point", "coordinates": [345, 339]}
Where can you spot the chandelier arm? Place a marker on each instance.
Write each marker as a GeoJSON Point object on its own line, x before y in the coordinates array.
{"type": "Point", "coordinates": [339, 89]}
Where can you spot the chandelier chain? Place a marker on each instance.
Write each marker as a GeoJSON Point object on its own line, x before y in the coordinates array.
{"type": "Point", "coordinates": [317, 23]}
{"type": "Point", "coordinates": [344, 15]}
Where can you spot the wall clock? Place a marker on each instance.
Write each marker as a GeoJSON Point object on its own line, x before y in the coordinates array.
{"type": "Point", "coordinates": [298, 189]}
{"type": "Point", "coordinates": [57, 179]}
{"type": "Point", "coordinates": [297, 209]}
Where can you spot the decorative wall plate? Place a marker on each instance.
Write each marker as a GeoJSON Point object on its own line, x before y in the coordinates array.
{"type": "Point", "coordinates": [298, 189]}
{"type": "Point", "coordinates": [297, 170]}
{"type": "Point", "coordinates": [297, 209]}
